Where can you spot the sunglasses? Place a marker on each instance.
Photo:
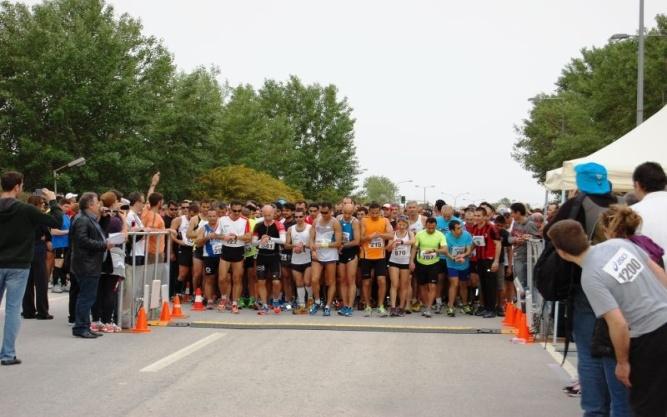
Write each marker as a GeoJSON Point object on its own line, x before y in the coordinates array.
{"type": "Point", "coordinates": [184, 207]}
{"type": "Point", "coordinates": [324, 213]}
{"type": "Point", "coordinates": [235, 211]}
{"type": "Point", "coordinates": [299, 217]}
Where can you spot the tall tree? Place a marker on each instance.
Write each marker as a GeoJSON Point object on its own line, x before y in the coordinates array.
{"type": "Point", "coordinates": [380, 189]}
{"type": "Point", "coordinates": [77, 81]}
{"type": "Point", "coordinates": [594, 102]}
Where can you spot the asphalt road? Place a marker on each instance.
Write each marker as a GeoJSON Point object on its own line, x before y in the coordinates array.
{"type": "Point", "coordinates": [207, 371]}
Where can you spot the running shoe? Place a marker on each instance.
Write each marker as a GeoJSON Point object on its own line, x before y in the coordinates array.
{"type": "Point", "coordinates": [342, 311]}
{"type": "Point", "coordinates": [401, 312]}
{"type": "Point", "coordinates": [427, 313]}
{"type": "Point", "coordinates": [416, 307]}
{"type": "Point", "coordinates": [221, 305]}
{"type": "Point", "coordinates": [467, 309]}
{"type": "Point", "coordinates": [438, 309]}
{"type": "Point", "coordinates": [276, 310]}
{"type": "Point", "coordinates": [300, 310]}
{"type": "Point", "coordinates": [393, 312]}
{"type": "Point", "coordinates": [327, 311]}
{"type": "Point", "coordinates": [382, 311]}
{"type": "Point", "coordinates": [313, 309]}
{"type": "Point", "coordinates": [368, 311]}
{"type": "Point", "coordinates": [96, 326]}
{"type": "Point", "coordinates": [263, 310]}
{"type": "Point", "coordinates": [235, 308]}
{"type": "Point", "coordinates": [107, 328]}
{"type": "Point", "coordinates": [309, 303]}
{"type": "Point", "coordinates": [348, 311]}
{"type": "Point", "coordinates": [489, 315]}
{"type": "Point", "coordinates": [450, 312]}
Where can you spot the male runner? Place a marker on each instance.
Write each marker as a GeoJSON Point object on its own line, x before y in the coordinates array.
{"type": "Point", "coordinates": [298, 242]}
{"type": "Point", "coordinates": [268, 235]}
{"type": "Point", "coordinates": [209, 240]}
{"type": "Point", "coordinates": [325, 239]}
{"type": "Point", "coordinates": [375, 229]}
{"type": "Point", "coordinates": [348, 260]}
{"type": "Point", "coordinates": [428, 244]}
{"type": "Point", "coordinates": [457, 254]}
{"type": "Point", "coordinates": [286, 256]}
{"type": "Point", "coordinates": [235, 233]}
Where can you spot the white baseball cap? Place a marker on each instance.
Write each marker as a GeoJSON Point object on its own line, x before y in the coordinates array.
{"type": "Point", "coordinates": [71, 195]}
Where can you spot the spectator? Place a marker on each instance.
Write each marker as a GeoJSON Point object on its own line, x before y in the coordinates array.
{"type": "Point", "coordinates": [650, 181]}
{"type": "Point", "coordinates": [37, 288]}
{"type": "Point", "coordinates": [153, 222]}
{"type": "Point", "coordinates": [18, 222]}
{"type": "Point", "coordinates": [628, 290]}
{"type": "Point", "coordinates": [89, 248]}
{"type": "Point", "coordinates": [60, 244]}
{"type": "Point", "coordinates": [601, 392]}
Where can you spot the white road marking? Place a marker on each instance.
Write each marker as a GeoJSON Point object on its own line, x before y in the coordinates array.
{"type": "Point", "coordinates": [180, 354]}
{"type": "Point", "coordinates": [558, 357]}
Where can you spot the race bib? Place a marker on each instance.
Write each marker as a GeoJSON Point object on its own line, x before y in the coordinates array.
{"type": "Point", "coordinates": [217, 247]}
{"type": "Point", "coordinates": [458, 250]}
{"type": "Point", "coordinates": [377, 243]}
{"type": "Point", "coordinates": [428, 256]}
{"type": "Point", "coordinates": [284, 257]}
{"type": "Point", "coordinates": [346, 237]}
{"type": "Point", "coordinates": [401, 252]}
{"type": "Point", "coordinates": [270, 245]}
{"type": "Point", "coordinates": [479, 241]}
{"type": "Point", "coordinates": [624, 266]}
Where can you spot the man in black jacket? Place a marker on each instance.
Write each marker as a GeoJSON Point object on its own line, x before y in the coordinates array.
{"type": "Point", "coordinates": [89, 246]}
{"type": "Point", "coordinates": [18, 222]}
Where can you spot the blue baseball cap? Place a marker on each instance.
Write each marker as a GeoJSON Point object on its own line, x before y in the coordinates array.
{"type": "Point", "coordinates": [592, 178]}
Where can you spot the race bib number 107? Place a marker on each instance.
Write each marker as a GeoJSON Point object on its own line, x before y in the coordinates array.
{"type": "Point", "coordinates": [624, 266]}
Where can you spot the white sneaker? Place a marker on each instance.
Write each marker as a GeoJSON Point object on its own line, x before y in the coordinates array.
{"type": "Point", "coordinates": [57, 289]}
{"type": "Point", "coordinates": [65, 288]}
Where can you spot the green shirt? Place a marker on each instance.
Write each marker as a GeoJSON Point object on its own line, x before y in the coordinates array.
{"type": "Point", "coordinates": [429, 241]}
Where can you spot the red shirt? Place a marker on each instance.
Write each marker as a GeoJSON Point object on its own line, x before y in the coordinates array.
{"type": "Point", "coordinates": [490, 235]}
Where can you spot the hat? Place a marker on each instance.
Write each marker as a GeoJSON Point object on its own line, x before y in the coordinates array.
{"type": "Point", "coordinates": [124, 202]}
{"type": "Point", "coordinates": [71, 195]}
{"type": "Point", "coordinates": [592, 178]}
{"type": "Point", "coordinates": [386, 206]}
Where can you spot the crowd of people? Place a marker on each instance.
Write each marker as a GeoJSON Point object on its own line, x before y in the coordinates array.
{"type": "Point", "coordinates": [381, 259]}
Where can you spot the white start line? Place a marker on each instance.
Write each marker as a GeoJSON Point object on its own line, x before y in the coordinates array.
{"type": "Point", "coordinates": [180, 354]}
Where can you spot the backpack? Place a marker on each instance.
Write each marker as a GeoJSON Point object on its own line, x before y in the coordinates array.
{"type": "Point", "coordinates": [553, 276]}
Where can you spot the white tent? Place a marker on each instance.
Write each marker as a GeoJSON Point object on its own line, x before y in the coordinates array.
{"type": "Point", "coordinates": [646, 142]}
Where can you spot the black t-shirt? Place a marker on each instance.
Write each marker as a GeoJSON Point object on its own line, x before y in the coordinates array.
{"type": "Point", "coordinates": [272, 249]}
{"type": "Point", "coordinates": [42, 235]}
{"type": "Point", "coordinates": [505, 243]}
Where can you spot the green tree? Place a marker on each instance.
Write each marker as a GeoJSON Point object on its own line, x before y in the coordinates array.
{"type": "Point", "coordinates": [594, 103]}
{"type": "Point", "coordinates": [380, 189]}
{"type": "Point", "coordinates": [240, 182]}
{"type": "Point", "coordinates": [77, 81]}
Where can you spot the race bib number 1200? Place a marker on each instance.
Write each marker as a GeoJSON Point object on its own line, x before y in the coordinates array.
{"type": "Point", "coordinates": [624, 266]}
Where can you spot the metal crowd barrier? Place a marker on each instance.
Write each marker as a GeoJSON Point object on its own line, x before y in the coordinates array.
{"type": "Point", "coordinates": [143, 271]}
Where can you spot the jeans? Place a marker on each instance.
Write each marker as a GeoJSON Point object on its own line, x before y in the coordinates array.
{"type": "Point", "coordinates": [84, 302]}
{"type": "Point", "coordinates": [602, 394]}
{"type": "Point", "coordinates": [14, 280]}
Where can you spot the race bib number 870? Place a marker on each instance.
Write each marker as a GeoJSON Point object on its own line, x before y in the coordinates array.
{"type": "Point", "coordinates": [624, 266]}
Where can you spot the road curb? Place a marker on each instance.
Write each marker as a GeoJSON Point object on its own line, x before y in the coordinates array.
{"type": "Point", "coordinates": [336, 327]}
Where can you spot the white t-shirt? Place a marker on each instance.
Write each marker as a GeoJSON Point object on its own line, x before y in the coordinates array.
{"type": "Point", "coordinates": [238, 227]}
{"type": "Point", "coordinates": [653, 208]}
{"type": "Point", "coordinates": [134, 220]}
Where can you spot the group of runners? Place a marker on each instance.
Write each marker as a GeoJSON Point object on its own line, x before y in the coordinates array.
{"type": "Point", "coordinates": [383, 260]}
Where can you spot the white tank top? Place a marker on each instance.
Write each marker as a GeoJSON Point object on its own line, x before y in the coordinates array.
{"type": "Point", "coordinates": [417, 226]}
{"type": "Point", "coordinates": [401, 253]}
{"type": "Point", "coordinates": [300, 237]}
{"type": "Point", "coordinates": [324, 233]}
{"type": "Point", "coordinates": [183, 230]}
{"type": "Point", "coordinates": [239, 227]}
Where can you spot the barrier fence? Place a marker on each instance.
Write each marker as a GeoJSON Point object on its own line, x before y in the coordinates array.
{"type": "Point", "coordinates": [146, 272]}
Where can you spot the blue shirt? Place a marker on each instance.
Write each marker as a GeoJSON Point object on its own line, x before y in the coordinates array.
{"type": "Point", "coordinates": [443, 225]}
{"type": "Point", "coordinates": [458, 245]}
{"type": "Point", "coordinates": [59, 242]}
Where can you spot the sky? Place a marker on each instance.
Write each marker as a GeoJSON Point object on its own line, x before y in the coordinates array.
{"type": "Point", "coordinates": [436, 86]}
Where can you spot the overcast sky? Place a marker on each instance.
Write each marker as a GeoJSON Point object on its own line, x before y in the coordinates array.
{"type": "Point", "coordinates": [436, 86]}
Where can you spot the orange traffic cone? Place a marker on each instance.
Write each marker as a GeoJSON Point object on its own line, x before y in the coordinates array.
{"type": "Point", "coordinates": [199, 301]}
{"type": "Point", "coordinates": [509, 314]}
{"type": "Point", "coordinates": [176, 311]}
{"type": "Point", "coordinates": [165, 317]}
{"type": "Point", "coordinates": [524, 332]}
{"type": "Point", "coordinates": [142, 323]}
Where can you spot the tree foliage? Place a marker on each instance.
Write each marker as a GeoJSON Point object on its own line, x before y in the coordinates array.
{"type": "Point", "coordinates": [240, 182]}
{"type": "Point", "coordinates": [380, 189]}
{"type": "Point", "coordinates": [594, 102]}
{"type": "Point", "coordinates": [75, 80]}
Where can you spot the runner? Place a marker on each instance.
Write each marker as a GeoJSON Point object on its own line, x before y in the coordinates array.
{"type": "Point", "coordinates": [487, 256]}
{"type": "Point", "coordinates": [268, 235]}
{"type": "Point", "coordinates": [416, 222]}
{"type": "Point", "coordinates": [445, 215]}
{"type": "Point", "coordinates": [249, 256]}
{"type": "Point", "coordinates": [209, 240]}
{"type": "Point", "coordinates": [313, 213]}
{"type": "Point", "coordinates": [235, 232]}
{"type": "Point", "coordinates": [298, 242]}
{"type": "Point", "coordinates": [286, 256]}
{"type": "Point", "coordinates": [325, 238]}
{"type": "Point", "coordinates": [349, 259]}
{"type": "Point", "coordinates": [457, 253]}
{"type": "Point", "coordinates": [196, 221]}
{"type": "Point", "coordinates": [374, 231]}
{"type": "Point", "coordinates": [399, 265]}
{"type": "Point", "coordinates": [428, 244]}
{"type": "Point", "coordinates": [183, 243]}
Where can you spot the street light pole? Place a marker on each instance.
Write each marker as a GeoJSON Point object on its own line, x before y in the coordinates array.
{"type": "Point", "coordinates": [425, 187]}
{"type": "Point", "coordinates": [75, 163]}
{"type": "Point", "coordinates": [640, 66]}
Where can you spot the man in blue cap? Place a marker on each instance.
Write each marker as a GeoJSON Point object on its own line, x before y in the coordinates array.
{"type": "Point", "coordinates": [602, 394]}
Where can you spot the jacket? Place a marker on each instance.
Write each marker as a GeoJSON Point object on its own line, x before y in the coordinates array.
{"type": "Point", "coordinates": [88, 246]}
{"type": "Point", "coordinates": [18, 223]}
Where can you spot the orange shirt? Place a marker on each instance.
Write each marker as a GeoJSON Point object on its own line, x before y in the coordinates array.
{"type": "Point", "coordinates": [154, 221]}
{"type": "Point", "coordinates": [373, 249]}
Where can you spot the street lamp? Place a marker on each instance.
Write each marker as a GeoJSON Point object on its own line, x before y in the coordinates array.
{"type": "Point", "coordinates": [425, 187]}
{"type": "Point", "coordinates": [456, 197]}
{"type": "Point", "coordinates": [399, 183]}
{"type": "Point", "coordinates": [75, 163]}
